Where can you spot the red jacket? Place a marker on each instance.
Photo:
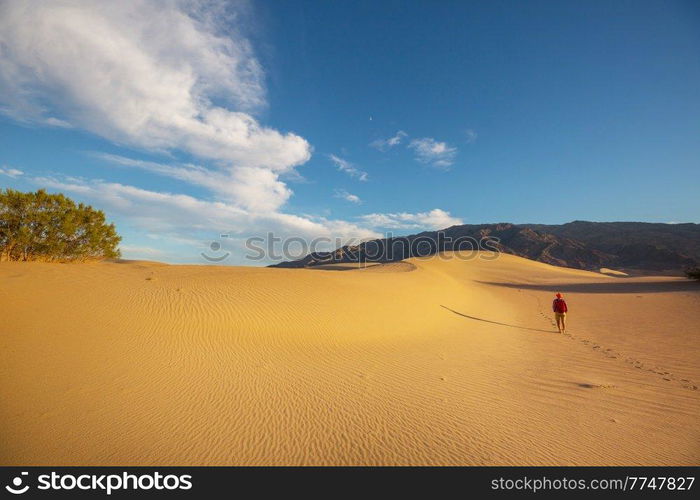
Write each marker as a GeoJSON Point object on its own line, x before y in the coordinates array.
{"type": "Point", "coordinates": [559, 306]}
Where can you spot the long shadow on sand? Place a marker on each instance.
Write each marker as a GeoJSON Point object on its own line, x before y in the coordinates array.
{"type": "Point", "coordinates": [495, 322]}
{"type": "Point", "coordinates": [621, 286]}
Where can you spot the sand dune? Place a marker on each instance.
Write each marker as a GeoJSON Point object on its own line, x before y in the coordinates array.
{"type": "Point", "coordinates": [440, 361]}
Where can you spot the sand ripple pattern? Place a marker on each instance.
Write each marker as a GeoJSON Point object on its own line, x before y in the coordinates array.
{"type": "Point", "coordinates": [147, 364]}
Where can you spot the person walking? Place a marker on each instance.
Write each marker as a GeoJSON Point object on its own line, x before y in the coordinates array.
{"type": "Point", "coordinates": [560, 309]}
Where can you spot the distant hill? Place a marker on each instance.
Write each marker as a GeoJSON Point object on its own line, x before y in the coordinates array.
{"type": "Point", "coordinates": [631, 246]}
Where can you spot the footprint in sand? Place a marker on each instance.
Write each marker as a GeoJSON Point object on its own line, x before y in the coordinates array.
{"type": "Point", "coordinates": [665, 375]}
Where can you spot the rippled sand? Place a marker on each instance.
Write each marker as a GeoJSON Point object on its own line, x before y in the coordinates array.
{"type": "Point", "coordinates": [447, 361]}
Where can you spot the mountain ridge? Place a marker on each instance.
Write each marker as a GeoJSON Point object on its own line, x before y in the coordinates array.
{"type": "Point", "coordinates": [639, 247]}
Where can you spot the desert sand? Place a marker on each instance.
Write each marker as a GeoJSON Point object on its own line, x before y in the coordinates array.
{"type": "Point", "coordinates": [423, 362]}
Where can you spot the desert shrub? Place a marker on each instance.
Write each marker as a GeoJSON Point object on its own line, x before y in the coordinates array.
{"type": "Point", "coordinates": [52, 227]}
{"type": "Point", "coordinates": [693, 273]}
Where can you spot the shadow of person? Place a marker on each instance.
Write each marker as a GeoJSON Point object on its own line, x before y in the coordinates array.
{"type": "Point", "coordinates": [495, 322]}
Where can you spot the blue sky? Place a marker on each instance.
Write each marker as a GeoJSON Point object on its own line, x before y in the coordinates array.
{"type": "Point", "coordinates": [189, 120]}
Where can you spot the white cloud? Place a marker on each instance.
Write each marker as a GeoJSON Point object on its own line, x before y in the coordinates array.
{"type": "Point", "coordinates": [348, 168]}
{"type": "Point", "coordinates": [148, 74]}
{"type": "Point", "coordinates": [254, 189]}
{"type": "Point", "coordinates": [387, 144]}
{"type": "Point", "coordinates": [10, 172]}
{"type": "Point", "coordinates": [156, 75]}
{"type": "Point", "coordinates": [471, 136]}
{"type": "Point", "coordinates": [434, 219]}
{"type": "Point", "coordinates": [55, 122]}
{"type": "Point", "coordinates": [432, 152]}
{"type": "Point", "coordinates": [343, 194]}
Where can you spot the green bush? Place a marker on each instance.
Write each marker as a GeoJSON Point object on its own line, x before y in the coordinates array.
{"type": "Point", "coordinates": [51, 227]}
{"type": "Point", "coordinates": [693, 273]}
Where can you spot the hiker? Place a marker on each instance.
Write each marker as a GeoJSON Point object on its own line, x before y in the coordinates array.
{"type": "Point", "coordinates": [560, 309]}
